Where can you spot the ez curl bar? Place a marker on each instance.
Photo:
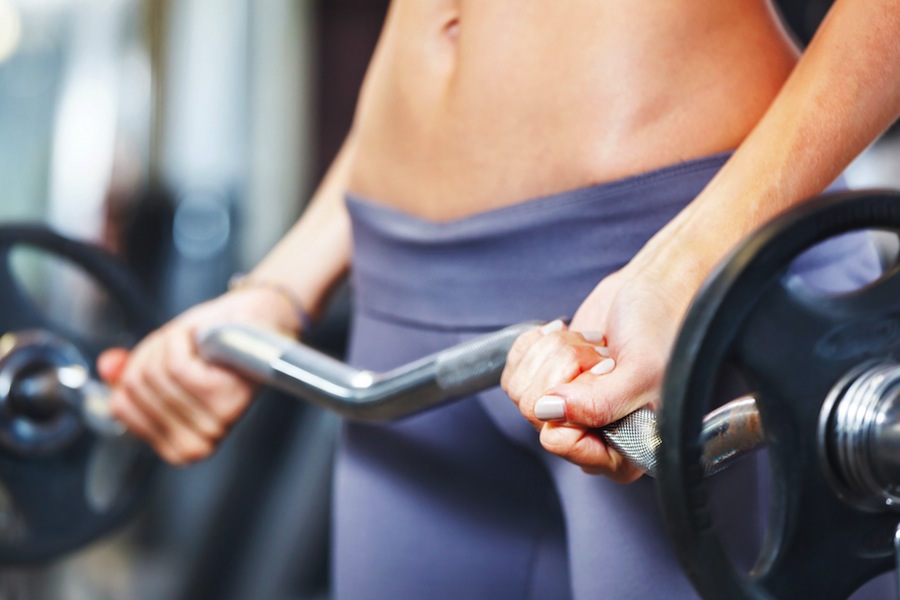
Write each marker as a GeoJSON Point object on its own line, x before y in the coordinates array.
{"type": "Point", "coordinates": [825, 402]}
{"type": "Point", "coordinates": [63, 384]}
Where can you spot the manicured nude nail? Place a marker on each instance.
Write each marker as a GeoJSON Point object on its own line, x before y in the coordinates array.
{"type": "Point", "coordinates": [552, 326]}
{"type": "Point", "coordinates": [592, 337]}
{"type": "Point", "coordinates": [602, 351]}
{"type": "Point", "coordinates": [603, 367]}
{"type": "Point", "coordinates": [550, 408]}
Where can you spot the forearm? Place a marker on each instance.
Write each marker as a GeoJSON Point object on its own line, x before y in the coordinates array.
{"type": "Point", "coordinates": [315, 253]}
{"type": "Point", "coordinates": [842, 95]}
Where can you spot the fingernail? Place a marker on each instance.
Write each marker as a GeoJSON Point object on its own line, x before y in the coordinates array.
{"type": "Point", "coordinates": [603, 367]}
{"type": "Point", "coordinates": [550, 408]}
{"type": "Point", "coordinates": [592, 337]}
{"type": "Point", "coordinates": [552, 326]}
{"type": "Point", "coordinates": [602, 351]}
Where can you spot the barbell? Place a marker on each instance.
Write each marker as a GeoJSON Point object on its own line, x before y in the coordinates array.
{"type": "Point", "coordinates": [829, 427]}
{"type": "Point", "coordinates": [823, 370]}
{"type": "Point", "coordinates": [61, 486]}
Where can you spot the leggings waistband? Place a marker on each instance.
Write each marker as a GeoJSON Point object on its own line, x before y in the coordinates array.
{"type": "Point", "coordinates": [533, 260]}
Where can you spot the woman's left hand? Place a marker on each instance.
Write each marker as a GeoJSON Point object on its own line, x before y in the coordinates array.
{"type": "Point", "coordinates": [609, 362]}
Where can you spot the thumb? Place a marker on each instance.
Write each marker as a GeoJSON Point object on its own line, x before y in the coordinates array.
{"type": "Point", "coordinates": [111, 363]}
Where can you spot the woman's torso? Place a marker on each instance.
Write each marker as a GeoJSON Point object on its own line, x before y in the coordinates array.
{"type": "Point", "coordinates": [471, 105]}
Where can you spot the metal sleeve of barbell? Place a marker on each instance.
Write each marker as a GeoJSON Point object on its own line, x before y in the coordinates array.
{"type": "Point", "coordinates": [729, 432]}
{"type": "Point", "coordinates": [96, 410]}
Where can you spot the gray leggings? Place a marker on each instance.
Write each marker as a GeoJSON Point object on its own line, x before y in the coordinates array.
{"type": "Point", "coordinates": [462, 502]}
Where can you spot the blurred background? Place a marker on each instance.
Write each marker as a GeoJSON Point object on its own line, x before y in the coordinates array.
{"type": "Point", "coordinates": [185, 136]}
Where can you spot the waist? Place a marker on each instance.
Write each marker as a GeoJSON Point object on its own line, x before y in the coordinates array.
{"type": "Point", "coordinates": [536, 259]}
{"type": "Point", "coordinates": [567, 97]}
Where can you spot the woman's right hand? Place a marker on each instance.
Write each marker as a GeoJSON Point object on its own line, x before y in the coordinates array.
{"type": "Point", "coordinates": [165, 393]}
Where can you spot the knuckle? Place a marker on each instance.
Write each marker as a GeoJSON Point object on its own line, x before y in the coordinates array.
{"type": "Point", "coordinates": [557, 439]}
{"type": "Point", "coordinates": [504, 380]}
{"type": "Point", "coordinates": [118, 406]}
{"type": "Point", "coordinates": [155, 379]}
{"type": "Point", "coordinates": [133, 424]}
{"type": "Point", "coordinates": [528, 338]}
{"type": "Point", "coordinates": [600, 412]}
{"type": "Point", "coordinates": [215, 437]}
{"type": "Point", "coordinates": [218, 382]}
{"type": "Point", "coordinates": [131, 385]}
{"type": "Point", "coordinates": [180, 372]}
{"type": "Point", "coordinates": [516, 350]}
{"type": "Point", "coordinates": [588, 456]}
{"type": "Point", "coordinates": [508, 377]}
{"type": "Point", "coordinates": [592, 471]}
{"type": "Point", "coordinates": [521, 346]}
{"type": "Point", "coordinates": [567, 355]}
{"type": "Point", "coordinates": [551, 444]}
{"type": "Point", "coordinates": [512, 387]}
{"type": "Point", "coordinates": [197, 450]}
{"type": "Point", "coordinates": [166, 453]}
{"type": "Point", "coordinates": [214, 429]}
{"type": "Point", "coordinates": [228, 412]}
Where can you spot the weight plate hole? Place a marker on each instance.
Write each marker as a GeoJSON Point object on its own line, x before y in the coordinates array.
{"type": "Point", "coordinates": [866, 264]}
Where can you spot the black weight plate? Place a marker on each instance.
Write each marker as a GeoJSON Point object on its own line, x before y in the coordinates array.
{"type": "Point", "coordinates": [792, 347]}
{"type": "Point", "coordinates": [49, 501]}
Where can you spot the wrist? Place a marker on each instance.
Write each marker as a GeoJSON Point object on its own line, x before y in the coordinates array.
{"type": "Point", "coordinates": [678, 264]}
{"type": "Point", "coordinates": [300, 318]}
{"type": "Point", "coordinates": [676, 254]}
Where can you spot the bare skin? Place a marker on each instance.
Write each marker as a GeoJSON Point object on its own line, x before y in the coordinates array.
{"type": "Point", "coordinates": [474, 105]}
{"type": "Point", "coordinates": [471, 105]}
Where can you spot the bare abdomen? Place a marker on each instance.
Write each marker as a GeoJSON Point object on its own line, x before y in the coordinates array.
{"type": "Point", "coordinates": [474, 105]}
